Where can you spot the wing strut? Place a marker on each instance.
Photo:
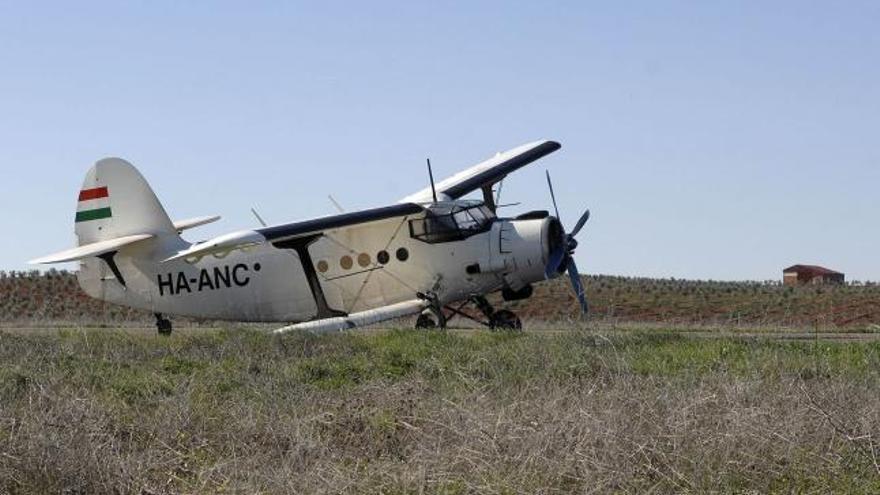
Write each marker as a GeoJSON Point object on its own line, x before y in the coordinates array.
{"type": "Point", "coordinates": [489, 198]}
{"type": "Point", "coordinates": [301, 246]}
{"type": "Point", "coordinates": [109, 258]}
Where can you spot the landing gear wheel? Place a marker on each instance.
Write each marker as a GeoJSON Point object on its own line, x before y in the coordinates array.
{"type": "Point", "coordinates": [505, 320]}
{"type": "Point", "coordinates": [432, 316]}
{"type": "Point", "coordinates": [163, 325]}
{"type": "Point", "coordinates": [426, 321]}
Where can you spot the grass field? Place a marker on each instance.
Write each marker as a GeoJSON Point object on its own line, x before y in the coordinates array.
{"type": "Point", "coordinates": [400, 411]}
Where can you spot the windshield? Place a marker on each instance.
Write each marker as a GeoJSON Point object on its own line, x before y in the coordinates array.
{"type": "Point", "coordinates": [446, 222]}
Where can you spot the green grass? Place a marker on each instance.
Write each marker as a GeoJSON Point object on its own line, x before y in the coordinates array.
{"type": "Point", "coordinates": [410, 412]}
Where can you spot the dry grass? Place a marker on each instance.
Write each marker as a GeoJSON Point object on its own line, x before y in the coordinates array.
{"type": "Point", "coordinates": [407, 412]}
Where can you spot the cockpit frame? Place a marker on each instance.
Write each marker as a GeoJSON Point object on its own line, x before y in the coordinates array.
{"type": "Point", "coordinates": [449, 221]}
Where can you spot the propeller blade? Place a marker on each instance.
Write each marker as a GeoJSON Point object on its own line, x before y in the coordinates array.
{"type": "Point", "coordinates": [553, 263]}
{"type": "Point", "coordinates": [577, 285]}
{"type": "Point", "coordinates": [552, 195]}
{"type": "Point", "coordinates": [580, 224]}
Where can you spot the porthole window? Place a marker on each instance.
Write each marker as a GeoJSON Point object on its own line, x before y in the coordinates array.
{"type": "Point", "coordinates": [402, 254]}
{"type": "Point", "coordinates": [364, 260]}
{"type": "Point", "coordinates": [346, 262]}
{"type": "Point", "coordinates": [323, 266]}
{"type": "Point", "coordinates": [382, 257]}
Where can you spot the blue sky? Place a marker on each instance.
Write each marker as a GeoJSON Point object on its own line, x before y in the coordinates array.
{"type": "Point", "coordinates": [720, 140]}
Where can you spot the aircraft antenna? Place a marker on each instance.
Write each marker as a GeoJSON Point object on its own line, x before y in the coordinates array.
{"type": "Point", "coordinates": [336, 204]}
{"type": "Point", "coordinates": [259, 218]}
{"type": "Point", "coordinates": [431, 176]}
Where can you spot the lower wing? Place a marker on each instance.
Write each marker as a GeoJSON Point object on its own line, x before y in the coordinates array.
{"type": "Point", "coordinates": [360, 319]}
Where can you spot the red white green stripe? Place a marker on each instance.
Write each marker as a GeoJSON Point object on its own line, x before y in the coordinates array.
{"type": "Point", "coordinates": [94, 204]}
{"type": "Point", "coordinates": [95, 193]}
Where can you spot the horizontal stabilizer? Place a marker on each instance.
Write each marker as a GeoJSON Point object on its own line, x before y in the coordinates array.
{"type": "Point", "coordinates": [93, 249]}
{"type": "Point", "coordinates": [189, 223]}
{"type": "Point", "coordinates": [359, 319]}
{"type": "Point", "coordinates": [220, 245]}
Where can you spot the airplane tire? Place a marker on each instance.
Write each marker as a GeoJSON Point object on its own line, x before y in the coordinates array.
{"type": "Point", "coordinates": [426, 322]}
{"type": "Point", "coordinates": [163, 325]}
{"type": "Point", "coordinates": [505, 320]}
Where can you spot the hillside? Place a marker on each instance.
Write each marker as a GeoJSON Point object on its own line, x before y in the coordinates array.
{"type": "Point", "coordinates": [54, 296]}
{"type": "Point", "coordinates": [627, 299]}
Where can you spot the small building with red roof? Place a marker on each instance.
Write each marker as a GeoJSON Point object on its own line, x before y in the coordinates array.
{"type": "Point", "coordinates": [810, 275]}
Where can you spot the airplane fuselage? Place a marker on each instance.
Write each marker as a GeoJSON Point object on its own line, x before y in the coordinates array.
{"type": "Point", "coordinates": [341, 271]}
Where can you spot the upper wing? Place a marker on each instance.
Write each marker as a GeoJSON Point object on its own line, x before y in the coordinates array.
{"type": "Point", "coordinates": [275, 233]}
{"type": "Point", "coordinates": [317, 225]}
{"type": "Point", "coordinates": [486, 173]}
{"type": "Point", "coordinates": [480, 175]}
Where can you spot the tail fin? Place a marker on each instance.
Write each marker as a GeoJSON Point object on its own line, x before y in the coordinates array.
{"type": "Point", "coordinates": [117, 210]}
{"type": "Point", "coordinates": [116, 201]}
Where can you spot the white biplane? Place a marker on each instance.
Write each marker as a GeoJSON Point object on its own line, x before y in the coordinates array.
{"type": "Point", "coordinates": [430, 254]}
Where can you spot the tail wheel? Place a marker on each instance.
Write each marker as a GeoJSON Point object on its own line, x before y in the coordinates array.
{"type": "Point", "coordinates": [163, 325]}
{"type": "Point", "coordinates": [505, 320]}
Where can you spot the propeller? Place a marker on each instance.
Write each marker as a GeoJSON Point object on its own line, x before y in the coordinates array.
{"type": "Point", "coordinates": [562, 246]}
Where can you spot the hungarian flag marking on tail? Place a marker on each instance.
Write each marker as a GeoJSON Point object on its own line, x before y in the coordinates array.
{"type": "Point", "coordinates": [94, 204]}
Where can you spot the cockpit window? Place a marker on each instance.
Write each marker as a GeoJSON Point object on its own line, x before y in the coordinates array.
{"type": "Point", "coordinates": [453, 221]}
{"type": "Point", "coordinates": [464, 220]}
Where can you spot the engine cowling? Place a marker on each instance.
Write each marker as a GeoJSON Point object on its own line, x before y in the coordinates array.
{"type": "Point", "coordinates": [521, 249]}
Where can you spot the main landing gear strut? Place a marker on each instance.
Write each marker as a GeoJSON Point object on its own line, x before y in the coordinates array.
{"type": "Point", "coordinates": [501, 319]}
{"type": "Point", "coordinates": [163, 325]}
